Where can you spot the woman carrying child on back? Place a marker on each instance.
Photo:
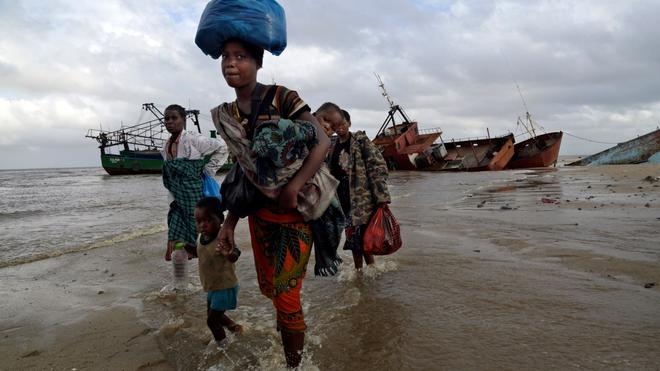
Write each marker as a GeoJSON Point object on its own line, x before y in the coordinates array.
{"type": "Point", "coordinates": [281, 237]}
{"type": "Point", "coordinates": [216, 268]}
{"type": "Point", "coordinates": [362, 173]}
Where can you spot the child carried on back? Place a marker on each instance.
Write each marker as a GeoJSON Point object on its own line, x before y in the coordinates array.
{"type": "Point", "coordinates": [216, 268]}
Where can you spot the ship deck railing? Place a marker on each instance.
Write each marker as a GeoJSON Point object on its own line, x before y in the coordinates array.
{"type": "Point", "coordinates": [429, 131]}
{"type": "Point", "coordinates": [467, 139]}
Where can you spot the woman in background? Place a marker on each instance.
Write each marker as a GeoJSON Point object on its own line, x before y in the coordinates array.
{"type": "Point", "coordinates": [362, 173]}
{"type": "Point", "coordinates": [184, 154]}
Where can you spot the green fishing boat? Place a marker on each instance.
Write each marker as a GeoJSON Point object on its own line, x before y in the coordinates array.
{"type": "Point", "coordinates": [137, 147]}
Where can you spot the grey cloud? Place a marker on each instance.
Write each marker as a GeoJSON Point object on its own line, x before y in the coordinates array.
{"type": "Point", "coordinates": [580, 65]}
{"type": "Point", "coordinates": [7, 69]}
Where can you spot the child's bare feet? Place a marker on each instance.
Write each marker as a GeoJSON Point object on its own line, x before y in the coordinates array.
{"type": "Point", "coordinates": [235, 328]}
{"type": "Point", "coordinates": [215, 346]}
{"type": "Point", "coordinates": [231, 325]}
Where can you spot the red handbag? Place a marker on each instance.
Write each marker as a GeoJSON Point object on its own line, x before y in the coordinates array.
{"type": "Point", "coordinates": [383, 235]}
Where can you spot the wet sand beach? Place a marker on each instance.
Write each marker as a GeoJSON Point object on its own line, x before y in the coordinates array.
{"type": "Point", "coordinates": [82, 310]}
{"type": "Point", "coordinates": [530, 269]}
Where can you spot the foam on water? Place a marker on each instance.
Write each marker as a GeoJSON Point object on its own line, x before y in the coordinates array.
{"type": "Point", "coordinates": [85, 247]}
{"type": "Point", "coordinates": [348, 273]}
{"type": "Point", "coordinates": [49, 212]}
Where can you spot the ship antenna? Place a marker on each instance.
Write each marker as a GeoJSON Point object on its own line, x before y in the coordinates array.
{"type": "Point", "coordinates": [528, 116]}
{"type": "Point", "coordinates": [521, 96]}
{"type": "Point", "coordinates": [393, 109]}
{"type": "Point", "coordinates": [384, 91]}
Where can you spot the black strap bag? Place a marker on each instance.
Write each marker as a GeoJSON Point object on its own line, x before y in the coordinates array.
{"type": "Point", "coordinates": [239, 195]}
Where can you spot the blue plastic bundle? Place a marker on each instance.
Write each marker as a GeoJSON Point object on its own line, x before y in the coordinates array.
{"type": "Point", "coordinates": [259, 22]}
{"type": "Point", "coordinates": [210, 188]}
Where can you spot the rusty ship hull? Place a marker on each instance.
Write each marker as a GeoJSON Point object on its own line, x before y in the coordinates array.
{"type": "Point", "coordinates": [400, 149]}
{"type": "Point", "coordinates": [483, 154]}
{"type": "Point", "coordinates": [540, 151]}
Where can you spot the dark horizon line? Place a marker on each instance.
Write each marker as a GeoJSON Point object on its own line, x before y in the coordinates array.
{"type": "Point", "coordinates": [101, 167]}
{"type": "Point", "coordinates": [51, 168]}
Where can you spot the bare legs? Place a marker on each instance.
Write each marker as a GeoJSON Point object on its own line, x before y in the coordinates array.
{"type": "Point", "coordinates": [293, 343]}
{"type": "Point", "coordinates": [216, 320]}
{"type": "Point", "coordinates": [358, 257]}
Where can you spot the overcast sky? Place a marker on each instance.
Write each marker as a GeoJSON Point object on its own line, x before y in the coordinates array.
{"type": "Point", "coordinates": [589, 68]}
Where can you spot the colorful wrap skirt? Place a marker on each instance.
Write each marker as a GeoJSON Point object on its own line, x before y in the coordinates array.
{"type": "Point", "coordinates": [281, 243]}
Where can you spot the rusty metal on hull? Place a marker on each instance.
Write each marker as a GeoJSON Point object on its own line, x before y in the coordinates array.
{"type": "Point", "coordinates": [483, 154]}
{"type": "Point", "coordinates": [540, 151]}
{"type": "Point", "coordinates": [401, 147]}
{"type": "Point", "coordinates": [405, 147]}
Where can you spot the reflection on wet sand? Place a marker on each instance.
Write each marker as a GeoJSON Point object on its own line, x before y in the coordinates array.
{"type": "Point", "coordinates": [555, 270]}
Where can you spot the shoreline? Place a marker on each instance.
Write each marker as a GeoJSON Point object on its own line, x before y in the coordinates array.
{"type": "Point", "coordinates": [105, 242]}
{"type": "Point", "coordinates": [498, 244]}
{"type": "Point", "coordinates": [83, 310]}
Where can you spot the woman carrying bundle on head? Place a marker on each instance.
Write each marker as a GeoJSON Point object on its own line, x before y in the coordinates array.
{"type": "Point", "coordinates": [281, 238]}
{"type": "Point", "coordinates": [279, 181]}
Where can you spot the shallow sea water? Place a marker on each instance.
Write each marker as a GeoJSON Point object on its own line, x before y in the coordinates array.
{"type": "Point", "coordinates": [463, 293]}
{"type": "Point", "coordinates": [47, 212]}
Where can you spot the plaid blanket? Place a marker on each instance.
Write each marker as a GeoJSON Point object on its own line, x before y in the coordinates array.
{"type": "Point", "coordinates": [183, 178]}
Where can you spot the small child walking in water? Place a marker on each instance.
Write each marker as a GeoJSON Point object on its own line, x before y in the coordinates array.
{"type": "Point", "coordinates": [216, 268]}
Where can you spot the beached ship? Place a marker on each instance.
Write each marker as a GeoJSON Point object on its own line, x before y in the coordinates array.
{"type": "Point", "coordinates": [137, 146]}
{"type": "Point", "coordinates": [537, 151]}
{"type": "Point", "coordinates": [405, 147]}
{"type": "Point", "coordinates": [634, 151]}
{"type": "Point", "coordinates": [400, 144]}
{"type": "Point", "coordinates": [479, 154]}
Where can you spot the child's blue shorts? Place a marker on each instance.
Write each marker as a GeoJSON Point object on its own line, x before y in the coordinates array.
{"type": "Point", "coordinates": [222, 299]}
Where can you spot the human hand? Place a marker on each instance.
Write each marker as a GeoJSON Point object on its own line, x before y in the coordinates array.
{"type": "Point", "coordinates": [224, 249]}
{"type": "Point", "coordinates": [168, 250]}
{"type": "Point", "coordinates": [226, 241]}
{"type": "Point", "coordinates": [191, 250]}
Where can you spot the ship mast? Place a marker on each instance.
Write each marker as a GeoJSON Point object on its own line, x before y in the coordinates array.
{"type": "Point", "coordinates": [148, 135]}
{"type": "Point", "coordinates": [528, 123]}
{"type": "Point", "coordinates": [191, 114]}
{"type": "Point", "coordinates": [381, 84]}
{"type": "Point", "coordinates": [394, 108]}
